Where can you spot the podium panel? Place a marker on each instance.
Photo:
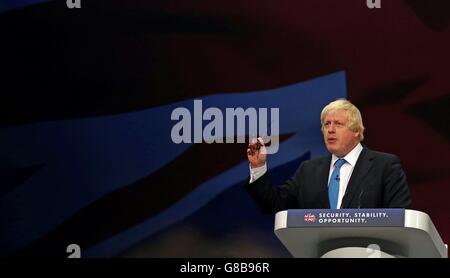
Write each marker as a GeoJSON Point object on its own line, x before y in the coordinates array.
{"type": "Point", "coordinates": [380, 233]}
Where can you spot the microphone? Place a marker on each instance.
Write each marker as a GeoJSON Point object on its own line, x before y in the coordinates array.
{"type": "Point", "coordinates": [337, 178]}
{"type": "Point", "coordinates": [359, 198]}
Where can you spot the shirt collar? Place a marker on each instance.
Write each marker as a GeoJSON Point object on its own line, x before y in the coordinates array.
{"type": "Point", "coordinates": [351, 157]}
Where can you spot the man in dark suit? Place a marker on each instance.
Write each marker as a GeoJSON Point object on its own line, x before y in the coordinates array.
{"type": "Point", "coordinates": [352, 176]}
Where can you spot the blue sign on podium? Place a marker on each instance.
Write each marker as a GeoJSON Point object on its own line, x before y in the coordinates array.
{"type": "Point", "coordinates": [346, 218]}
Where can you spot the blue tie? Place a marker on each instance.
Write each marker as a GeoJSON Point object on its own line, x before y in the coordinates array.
{"type": "Point", "coordinates": [333, 186]}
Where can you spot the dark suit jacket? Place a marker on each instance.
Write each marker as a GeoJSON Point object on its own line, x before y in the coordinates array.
{"type": "Point", "coordinates": [377, 181]}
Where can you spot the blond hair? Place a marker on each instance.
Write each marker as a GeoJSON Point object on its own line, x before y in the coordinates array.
{"type": "Point", "coordinates": [354, 119]}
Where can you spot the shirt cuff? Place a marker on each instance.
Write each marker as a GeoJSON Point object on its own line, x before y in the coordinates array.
{"type": "Point", "coordinates": [256, 173]}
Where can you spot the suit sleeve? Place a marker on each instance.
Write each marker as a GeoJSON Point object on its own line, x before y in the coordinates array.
{"type": "Point", "coordinates": [396, 190]}
{"type": "Point", "coordinates": [274, 199]}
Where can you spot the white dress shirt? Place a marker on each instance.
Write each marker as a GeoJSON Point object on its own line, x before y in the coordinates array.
{"type": "Point", "coordinates": [345, 173]}
{"type": "Point", "coordinates": [346, 170]}
{"type": "Point", "coordinates": [256, 173]}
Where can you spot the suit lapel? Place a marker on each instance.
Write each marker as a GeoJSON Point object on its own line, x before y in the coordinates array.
{"type": "Point", "coordinates": [362, 167]}
{"type": "Point", "coordinates": [323, 173]}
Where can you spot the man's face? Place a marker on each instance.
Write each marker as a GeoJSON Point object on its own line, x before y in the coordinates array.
{"type": "Point", "coordinates": [339, 139]}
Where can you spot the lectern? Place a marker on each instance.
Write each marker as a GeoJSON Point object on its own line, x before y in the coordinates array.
{"type": "Point", "coordinates": [371, 233]}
